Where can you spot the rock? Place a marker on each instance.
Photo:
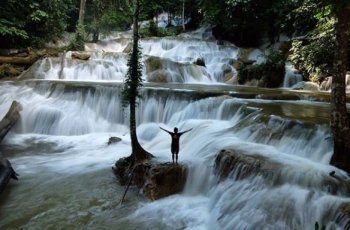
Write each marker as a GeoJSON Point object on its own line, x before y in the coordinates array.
{"type": "Point", "coordinates": [228, 160]}
{"type": "Point", "coordinates": [160, 75]}
{"type": "Point", "coordinates": [237, 64]}
{"type": "Point", "coordinates": [157, 180]}
{"type": "Point", "coordinates": [237, 165]}
{"type": "Point", "coordinates": [9, 71]}
{"type": "Point", "coordinates": [128, 48]}
{"type": "Point", "coordinates": [164, 180]}
{"type": "Point", "coordinates": [200, 62]}
{"type": "Point", "coordinates": [306, 85]}
{"type": "Point", "coordinates": [152, 64]}
{"type": "Point", "coordinates": [6, 173]}
{"type": "Point", "coordinates": [81, 56]}
{"type": "Point", "coordinates": [113, 140]}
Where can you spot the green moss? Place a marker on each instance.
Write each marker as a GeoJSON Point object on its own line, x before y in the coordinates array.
{"type": "Point", "coordinates": [153, 63]}
{"type": "Point", "coordinates": [269, 74]}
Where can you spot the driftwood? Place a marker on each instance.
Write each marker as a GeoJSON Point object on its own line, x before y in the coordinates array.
{"type": "Point", "coordinates": [81, 56]}
{"type": "Point", "coordinates": [9, 120]}
{"type": "Point", "coordinates": [6, 173]}
{"type": "Point", "coordinates": [17, 60]}
{"type": "Point", "coordinates": [6, 170]}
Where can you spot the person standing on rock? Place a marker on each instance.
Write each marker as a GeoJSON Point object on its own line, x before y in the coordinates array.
{"type": "Point", "coordinates": [175, 142]}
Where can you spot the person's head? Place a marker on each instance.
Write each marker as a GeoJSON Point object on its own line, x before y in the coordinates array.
{"type": "Point", "coordinates": [175, 130]}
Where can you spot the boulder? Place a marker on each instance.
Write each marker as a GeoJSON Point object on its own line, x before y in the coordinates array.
{"type": "Point", "coordinates": [157, 180]}
{"type": "Point", "coordinates": [200, 62]}
{"type": "Point", "coordinates": [227, 161]}
{"type": "Point", "coordinates": [237, 165]}
{"type": "Point", "coordinates": [160, 75]}
{"type": "Point", "coordinates": [113, 140]}
{"type": "Point", "coordinates": [163, 180]}
{"type": "Point", "coordinates": [153, 63]}
{"type": "Point", "coordinates": [306, 85]}
{"type": "Point", "coordinates": [81, 56]}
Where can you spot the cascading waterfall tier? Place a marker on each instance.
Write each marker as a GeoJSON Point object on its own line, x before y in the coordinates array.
{"type": "Point", "coordinates": [60, 147]}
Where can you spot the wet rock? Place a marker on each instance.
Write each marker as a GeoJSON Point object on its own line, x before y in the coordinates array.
{"type": "Point", "coordinates": [157, 180]}
{"type": "Point", "coordinates": [81, 56]}
{"type": "Point", "coordinates": [128, 48]}
{"type": "Point", "coordinates": [152, 64]}
{"type": "Point", "coordinates": [200, 62]}
{"type": "Point", "coordinates": [160, 75]}
{"type": "Point", "coordinates": [326, 84]}
{"type": "Point", "coordinates": [237, 165]}
{"type": "Point", "coordinates": [306, 85]}
{"type": "Point", "coordinates": [228, 161]}
{"type": "Point", "coordinates": [9, 71]}
{"type": "Point", "coordinates": [164, 179]}
{"type": "Point", "coordinates": [113, 140]}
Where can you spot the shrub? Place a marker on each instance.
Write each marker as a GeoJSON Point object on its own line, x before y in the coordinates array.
{"type": "Point", "coordinates": [270, 73]}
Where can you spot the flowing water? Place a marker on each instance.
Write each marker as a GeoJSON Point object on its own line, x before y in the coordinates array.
{"type": "Point", "coordinates": [59, 148]}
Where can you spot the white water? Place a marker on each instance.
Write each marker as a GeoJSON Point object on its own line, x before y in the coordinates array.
{"type": "Point", "coordinates": [63, 133]}
{"type": "Point", "coordinates": [291, 76]}
{"type": "Point", "coordinates": [59, 149]}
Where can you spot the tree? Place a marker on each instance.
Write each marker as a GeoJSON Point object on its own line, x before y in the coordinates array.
{"type": "Point", "coordinates": [32, 22]}
{"type": "Point", "coordinates": [130, 92]}
{"type": "Point", "coordinates": [340, 123]}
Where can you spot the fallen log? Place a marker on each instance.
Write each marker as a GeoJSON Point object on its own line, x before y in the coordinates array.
{"type": "Point", "coordinates": [81, 56]}
{"type": "Point", "coordinates": [6, 173]}
{"type": "Point", "coordinates": [9, 119]}
{"type": "Point", "coordinates": [6, 170]}
{"type": "Point", "coordinates": [29, 60]}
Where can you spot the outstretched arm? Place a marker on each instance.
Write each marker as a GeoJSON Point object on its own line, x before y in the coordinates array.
{"type": "Point", "coordinates": [185, 131]}
{"type": "Point", "coordinates": [165, 130]}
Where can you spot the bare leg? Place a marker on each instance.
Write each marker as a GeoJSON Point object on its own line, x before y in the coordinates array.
{"type": "Point", "coordinates": [173, 157]}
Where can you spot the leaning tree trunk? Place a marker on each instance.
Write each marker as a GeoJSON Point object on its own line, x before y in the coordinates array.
{"type": "Point", "coordinates": [340, 123]}
{"type": "Point", "coordinates": [9, 120]}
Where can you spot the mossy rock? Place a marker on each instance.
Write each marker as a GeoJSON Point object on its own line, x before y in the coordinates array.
{"type": "Point", "coordinates": [153, 63]}
{"type": "Point", "coordinates": [9, 71]}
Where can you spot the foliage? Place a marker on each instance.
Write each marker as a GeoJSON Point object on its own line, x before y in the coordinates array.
{"type": "Point", "coordinates": [7, 70]}
{"type": "Point", "coordinates": [270, 73]}
{"type": "Point", "coordinates": [78, 43]}
{"type": "Point", "coordinates": [314, 55]}
{"type": "Point", "coordinates": [133, 78]}
{"type": "Point", "coordinates": [246, 22]}
{"type": "Point", "coordinates": [32, 22]}
{"type": "Point", "coordinates": [160, 32]}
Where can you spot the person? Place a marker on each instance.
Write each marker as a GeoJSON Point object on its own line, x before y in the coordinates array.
{"type": "Point", "coordinates": [175, 142]}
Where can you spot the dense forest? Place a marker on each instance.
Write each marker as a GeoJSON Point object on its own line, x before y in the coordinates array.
{"type": "Point", "coordinates": [246, 23]}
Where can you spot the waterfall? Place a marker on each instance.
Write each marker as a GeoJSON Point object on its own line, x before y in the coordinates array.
{"type": "Point", "coordinates": [59, 146]}
{"type": "Point", "coordinates": [291, 76]}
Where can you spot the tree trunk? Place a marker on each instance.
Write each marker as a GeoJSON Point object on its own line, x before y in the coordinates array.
{"type": "Point", "coordinates": [82, 12]}
{"type": "Point", "coordinates": [9, 119]}
{"type": "Point", "coordinates": [183, 15]}
{"type": "Point", "coordinates": [339, 118]}
{"type": "Point", "coordinates": [6, 173]}
{"type": "Point", "coordinates": [137, 151]}
{"type": "Point", "coordinates": [17, 60]}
